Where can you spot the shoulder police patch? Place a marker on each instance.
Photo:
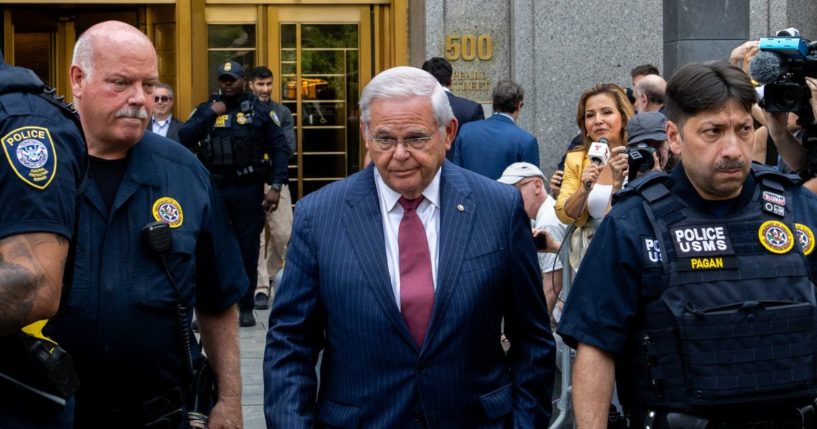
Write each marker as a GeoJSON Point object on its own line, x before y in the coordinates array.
{"type": "Point", "coordinates": [651, 251]}
{"type": "Point", "coordinates": [775, 237]}
{"type": "Point", "coordinates": [169, 211]}
{"type": "Point", "coordinates": [805, 237]}
{"type": "Point", "coordinates": [31, 155]}
{"type": "Point", "coordinates": [274, 117]}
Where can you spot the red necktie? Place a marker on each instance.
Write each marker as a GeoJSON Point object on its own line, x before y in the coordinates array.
{"type": "Point", "coordinates": [416, 283]}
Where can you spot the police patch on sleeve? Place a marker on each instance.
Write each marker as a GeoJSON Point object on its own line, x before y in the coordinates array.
{"type": "Point", "coordinates": [169, 211]}
{"type": "Point", "coordinates": [274, 117]}
{"type": "Point", "coordinates": [775, 237]}
{"type": "Point", "coordinates": [31, 155]}
{"type": "Point", "coordinates": [805, 237]}
{"type": "Point", "coordinates": [651, 251]}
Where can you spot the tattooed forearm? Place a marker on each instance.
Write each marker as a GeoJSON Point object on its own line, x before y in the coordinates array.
{"type": "Point", "coordinates": [18, 289]}
{"type": "Point", "coordinates": [28, 264]}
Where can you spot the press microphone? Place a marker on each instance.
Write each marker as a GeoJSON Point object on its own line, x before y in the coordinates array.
{"type": "Point", "coordinates": [599, 154]}
{"type": "Point", "coordinates": [766, 67]}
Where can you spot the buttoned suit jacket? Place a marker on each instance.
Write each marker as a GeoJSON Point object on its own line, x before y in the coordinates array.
{"type": "Point", "coordinates": [465, 111]}
{"type": "Point", "coordinates": [172, 129]}
{"type": "Point", "coordinates": [336, 296]}
{"type": "Point", "coordinates": [488, 147]}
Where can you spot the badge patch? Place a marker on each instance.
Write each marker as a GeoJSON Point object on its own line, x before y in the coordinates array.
{"type": "Point", "coordinates": [774, 198]}
{"type": "Point", "coordinates": [31, 154]}
{"type": "Point", "coordinates": [805, 237]}
{"type": "Point", "coordinates": [701, 240]}
{"type": "Point", "coordinates": [274, 117]}
{"type": "Point", "coordinates": [774, 209]}
{"type": "Point", "coordinates": [169, 211]}
{"type": "Point", "coordinates": [241, 118]}
{"type": "Point", "coordinates": [222, 121]}
{"type": "Point", "coordinates": [775, 236]}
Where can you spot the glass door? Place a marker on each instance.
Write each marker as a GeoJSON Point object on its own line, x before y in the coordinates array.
{"type": "Point", "coordinates": [320, 81]}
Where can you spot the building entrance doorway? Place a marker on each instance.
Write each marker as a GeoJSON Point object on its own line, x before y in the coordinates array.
{"type": "Point", "coordinates": [324, 57]}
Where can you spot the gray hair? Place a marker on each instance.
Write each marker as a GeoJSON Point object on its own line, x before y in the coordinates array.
{"type": "Point", "coordinates": [84, 53]}
{"type": "Point", "coordinates": [402, 82]}
{"type": "Point", "coordinates": [653, 86]}
{"type": "Point", "coordinates": [112, 30]}
{"type": "Point", "coordinates": [506, 96]}
{"type": "Point", "coordinates": [167, 87]}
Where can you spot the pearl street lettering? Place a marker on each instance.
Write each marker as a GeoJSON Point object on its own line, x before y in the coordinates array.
{"type": "Point", "coordinates": [695, 241]}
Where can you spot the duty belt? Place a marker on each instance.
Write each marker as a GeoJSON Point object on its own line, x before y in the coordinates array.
{"type": "Point", "coordinates": [791, 417]}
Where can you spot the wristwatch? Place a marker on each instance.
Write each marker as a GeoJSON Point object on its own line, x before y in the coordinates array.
{"type": "Point", "coordinates": [277, 187]}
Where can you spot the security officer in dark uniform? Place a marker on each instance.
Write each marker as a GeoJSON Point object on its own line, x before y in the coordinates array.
{"type": "Point", "coordinates": [236, 138]}
{"type": "Point", "coordinates": [697, 293]}
{"type": "Point", "coordinates": [42, 167]}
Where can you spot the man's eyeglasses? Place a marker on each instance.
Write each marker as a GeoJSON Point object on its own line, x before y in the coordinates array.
{"type": "Point", "coordinates": [162, 98]}
{"type": "Point", "coordinates": [390, 143]}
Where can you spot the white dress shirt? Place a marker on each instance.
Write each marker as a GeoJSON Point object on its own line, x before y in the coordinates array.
{"type": "Point", "coordinates": [160, 127]}
{"type": "Point", "coordinates": [392, 213]}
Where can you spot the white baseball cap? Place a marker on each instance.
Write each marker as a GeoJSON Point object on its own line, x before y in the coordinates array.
{"type": "Point", "coordinates": [520, 170]}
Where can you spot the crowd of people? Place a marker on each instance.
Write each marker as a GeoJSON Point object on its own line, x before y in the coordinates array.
{"type": "Point", "coordinates": [422, 291]}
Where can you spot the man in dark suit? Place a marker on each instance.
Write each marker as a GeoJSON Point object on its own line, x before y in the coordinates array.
{"type": "Point", "coordinates": [402, 275]}
{"type": "Point", "coordinates": [464, 109]}
{"type": "Point", "coordinates": [488, 147]}
{"type": "Point", "coordinates": [163, 122]}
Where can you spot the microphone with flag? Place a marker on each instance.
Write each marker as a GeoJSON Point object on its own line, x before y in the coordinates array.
{"type": "Point", "coordinates": [599, 154]}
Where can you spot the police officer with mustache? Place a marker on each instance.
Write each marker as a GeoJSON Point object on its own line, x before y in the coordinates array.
{"type": "Point", "coordinates": [696, 297]}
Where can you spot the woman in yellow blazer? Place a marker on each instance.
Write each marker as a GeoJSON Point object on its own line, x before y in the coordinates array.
{"type": "Point", "coordinates": [603, 112]}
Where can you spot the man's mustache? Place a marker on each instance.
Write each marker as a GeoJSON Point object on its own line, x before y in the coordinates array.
{"type": "Point", "coordinates": [730, 164]}
{"type": "Point", "coordinates": [132, 112]}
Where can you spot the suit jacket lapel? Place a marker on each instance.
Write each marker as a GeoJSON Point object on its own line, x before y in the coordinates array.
{"type": "Point", "coordinates": [363, 222]}
{"type": "Point", "coordinates": [456, 221]}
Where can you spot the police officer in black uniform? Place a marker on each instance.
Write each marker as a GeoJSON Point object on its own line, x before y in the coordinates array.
{"type": "Point", "coordinates": [42, 166]}
{"type": "Point", "coordinates": [238, 141]}
{"type": "Point", "coordinates": [697, 293]}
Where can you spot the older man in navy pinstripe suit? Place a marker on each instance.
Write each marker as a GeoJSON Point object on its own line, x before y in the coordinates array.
{"type": "Point", "coordinates": [402, 274]}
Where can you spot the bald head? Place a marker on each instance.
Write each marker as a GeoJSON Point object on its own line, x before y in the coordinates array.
{"type": "Point", "coordinates": [113, 76]}
{"type": "Point", "coordinates": [107, 34]}
{"type": "Point", "coordinates": [649, 93]}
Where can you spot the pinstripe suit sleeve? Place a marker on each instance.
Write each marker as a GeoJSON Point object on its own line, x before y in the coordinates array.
{"type": "Point", "coordinates": [295, 336]}
{"type": "Point", "coordinates": [527, 326]}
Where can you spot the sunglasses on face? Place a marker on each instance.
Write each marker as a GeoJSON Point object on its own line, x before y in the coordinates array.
{"type": "Point", "coordinates": [162, 98]}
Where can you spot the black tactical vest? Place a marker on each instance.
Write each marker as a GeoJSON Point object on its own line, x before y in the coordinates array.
{"type": "Point", "coordinates": [729, 316]}
{"type": "Point", "coordinates": [235, 149]}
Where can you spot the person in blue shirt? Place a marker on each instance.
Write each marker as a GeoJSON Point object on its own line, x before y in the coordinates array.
{"type": "Point", "coordinates": [489, 146]}
{"type": "Point", "coordinates": [42, 165]}
{"type": "Point", "coordinates": [696, 295]}
{"type": "Point", "coordinates": [119, 319]}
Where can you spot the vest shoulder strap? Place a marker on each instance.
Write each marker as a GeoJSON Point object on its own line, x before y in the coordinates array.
{"type": "Point", "coordinates": [18, 79]}
{"type": "Point", "coordinates": [771, 178]}
{"type": "Point", "coordinates": [652, 185]}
